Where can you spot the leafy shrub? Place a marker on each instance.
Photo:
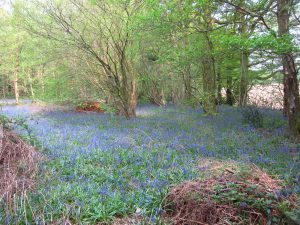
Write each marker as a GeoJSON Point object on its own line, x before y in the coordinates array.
{"type": "Point", "coordinates": [4, 120]}
{"type": "Point", "coordinates": [20, 122]}
{"type": "Point", "coordinates": [253, 116]}
{"type": "Point", "coordinates": [274, 123]}
{"type": "Point", "coordinates": [108, 108]}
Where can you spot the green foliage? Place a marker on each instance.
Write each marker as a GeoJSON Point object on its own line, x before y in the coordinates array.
{"type": "Point", "coordinates": [293, 215]}
{"type": "Point", "coordinates": [108, 108]}
{"type": "Point", "coordinates": [171, 32]}
{"type": "Point", "coordinates": [253, 116]}
{"type": "Point", "coordinates": [257, 117]}
{"type": "Point", "coordinates": [4, 120]}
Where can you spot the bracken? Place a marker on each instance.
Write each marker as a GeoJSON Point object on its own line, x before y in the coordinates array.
{"type": "Point", "coordinates": [18, 166]}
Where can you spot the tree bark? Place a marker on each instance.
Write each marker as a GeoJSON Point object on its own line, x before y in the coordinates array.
{"type": "Point", "coordinates": [4, 87]}
{"type": "Point", "coordinates": [126, 104]}
{"type": "Point", "coordinates": [187, 81]}
{"type": "Point", "coordinates": [244, 78]}
{"type": "Point", "coordinates": [124, 88]}
{"type": "Point", "coordinates": [290, 80]}
{"type": "Point", "coordinates": [229, 95]}
{"type": "Point", "coordinates": [219, 82]}
{"type": "Point", "coordinates": [16, 88]}
{"type": "Point", "coordinates": [209, 78]}
{"type": "Point", "coordinates": [244, 64]}
{"type": "Point", "coordinates": [174, 97]}
{"type": "Point", "coordinates": [157, 95]}
{"type": "Point", "coordinates": [30, 80]}
{"type": "Point", "coordinates": [41, 77]}
{"type": "Point", "coordinates": [16, 77]}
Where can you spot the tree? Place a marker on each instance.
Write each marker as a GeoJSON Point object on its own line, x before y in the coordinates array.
{"type": "Point", "coordinates": [12, 44]}
{"type": "Point", "coordinates": [290, 72]}
{"type": "Point", "coordinates": [102, 30]}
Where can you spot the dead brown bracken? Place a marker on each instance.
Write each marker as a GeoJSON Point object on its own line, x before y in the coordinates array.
{"type": "Point", "coordinates": [18, 166]}
{"type": "Point", "coordinates": [194, 202]}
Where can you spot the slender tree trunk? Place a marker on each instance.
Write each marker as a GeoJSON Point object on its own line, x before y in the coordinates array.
{"type": "Point", "coordinates": [30, 83]}
{"type": "Point", "coordinates": [291, 84]}
{"type": "Point", "coordinates": [219, 82]}
{"type": "Point", "coordinates": [16, 88]}
{"type": "Point", "coordinates": [229, 95]}
{"type": "Point", "coordinates": [174, 96]}
{"type": "Point", "coordinates": [244, 78]}
{"type": "Point", "coordinates": [186, 75]}
{"type": "Point", "coordinates": [16, 77]}
{"type": "Point", "coordinates": [4, 87]}
{"type": "Point", "coordinates": [244, 64]}
{"type": "Point", "coordinates": [157, 95]}
{"type": "Point", "coordinates": [4, 92]}
{"type": "Point", "coordinates": [41, 77]}
{"type": "Point", "coordinates": [187, 81]}
{"type": "Point", "coordinates": [209, 79]}
{"type": "Point", "coordinates": [109, 99]}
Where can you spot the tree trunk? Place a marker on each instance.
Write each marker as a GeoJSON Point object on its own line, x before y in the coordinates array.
{"type": "Point", "coordinates": [41, 77]}
{"type": "Point", "coordinates": [156, 93]}
{"type": "Point", "coordinates": [122, 90]}
{"type": "Point", "coordinates": [130, 107]}
{"type": "Point", "coordinates": [16, 80]}
{"type": "Point", "coordinates": [291, 84]}
{"type": "Point", "coordinates": [4, 87]}
{"type": "Point", "coordinates": [187, 81]}
{"type": "Point", "coordinates": [174, 97]}
{"type": "Point", "coordinates": [244, 78]}
{"type": "Point", "coordinates": [30, 80]}
{"type": "Point", "coordinates": [157, 97]}
{"type": "Point", "coordinates": [219, 82]}
{"type": "Point", "coordinates": [229, 95]}
{"type": "Point", "coordinates": [16, 88]}
{"type": "Point", "coordinates": [209, 80]}
{"type": "Point", "coordinates": [244, 64]}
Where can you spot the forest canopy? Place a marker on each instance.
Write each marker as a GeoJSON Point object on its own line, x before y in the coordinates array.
{"type": "Point", "coordinates": [125, 52]}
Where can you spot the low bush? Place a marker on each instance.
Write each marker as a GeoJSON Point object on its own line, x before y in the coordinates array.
{"type": "Point", "coordinates": [253, 115]}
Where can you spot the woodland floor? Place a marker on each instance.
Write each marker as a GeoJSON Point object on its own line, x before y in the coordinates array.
{"type": "Point", "coordinates": [98, 167]}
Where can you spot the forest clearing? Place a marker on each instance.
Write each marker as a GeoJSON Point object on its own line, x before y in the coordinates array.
{"type": "Point", "coordinates": [143, 112]}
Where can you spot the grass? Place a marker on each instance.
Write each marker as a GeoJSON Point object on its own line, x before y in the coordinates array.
{"type": "Point", "coordinates": [99, 166]}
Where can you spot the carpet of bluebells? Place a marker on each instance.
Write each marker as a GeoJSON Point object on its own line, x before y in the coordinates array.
{"type": "Point", "coordinates": [101, 166]}
{"type": "Point", "coordinates": [13, 101]}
